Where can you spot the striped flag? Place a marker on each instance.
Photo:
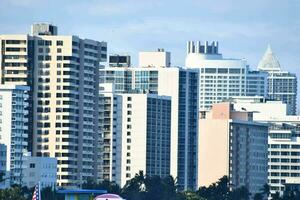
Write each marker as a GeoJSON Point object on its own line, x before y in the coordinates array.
{"type": "Point", "coordinates": [37, 192]}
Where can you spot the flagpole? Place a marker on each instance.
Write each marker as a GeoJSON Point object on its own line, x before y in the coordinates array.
{"type": "Point", "coordinates": [40, 197]}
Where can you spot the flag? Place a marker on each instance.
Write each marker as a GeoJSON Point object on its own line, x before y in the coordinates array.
{"type": "Point", "coordinates": [36, 192]}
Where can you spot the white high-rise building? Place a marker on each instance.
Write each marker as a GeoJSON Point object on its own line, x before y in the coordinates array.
{"type": "Point", "coordinates": [282, 85]}
{"type": "Point", "coordinates": [283, 140]}
{"type": "Point", "coordinates": [63, 75]}
{"type": "Point", "coordinates": [13, 130]}
{"type": "Point", "coordinates": [182, 86]}
{"type": "Point", "coordinates": [221, 78]}
{"type": "Point", "coordinates": [137, 135]}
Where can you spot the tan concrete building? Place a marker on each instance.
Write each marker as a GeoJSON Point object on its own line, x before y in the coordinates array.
{"type": "Point", "coordinates": [63, 75]}
{"type": "Point", "coordinates": [231, 144]}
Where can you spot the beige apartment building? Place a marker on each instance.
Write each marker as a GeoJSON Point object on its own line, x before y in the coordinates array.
{"type": "Point", "coordinates": [63, 75]}
{"type": "Point", "coordinates": [231, 144]}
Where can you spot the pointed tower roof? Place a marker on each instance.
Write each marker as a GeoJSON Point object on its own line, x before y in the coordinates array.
{"type": "Point", "coordinates": [269, 61]}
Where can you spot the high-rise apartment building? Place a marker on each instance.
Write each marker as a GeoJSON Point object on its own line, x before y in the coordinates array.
{"type": "Point", "coordinates": [221, 78]}
{"type": "Point", "coordinates": [282, 85]}
{"type": "Point", "coordinates": [283, 141]}
{"type": "Point", "coordinates": [182, 86]}
{"type": "Point", "coordinates": [232, 144]}
{"type": "Point", "coordinates": [13, 130]}
{"type": "Point", "coordinates": [137, 135]}
{"type": "Point", "coordinates": [63, 75]}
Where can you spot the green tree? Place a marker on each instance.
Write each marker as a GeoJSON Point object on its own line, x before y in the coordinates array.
{"type": "Point", "coordinates": [190, 195]}
{"type": "Point", "coordinates": [134, 189]}
{"type": "Point", "coordinates": [13, 193]}
{"type": "Point", "coordinates": [241, 193]}
{"type": "Point", "coordinates": [216, 191]}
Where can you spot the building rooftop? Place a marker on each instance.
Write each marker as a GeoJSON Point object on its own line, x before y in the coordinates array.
{"type": "Point", "coordinates": [82, 191]}
{"type": "Point", "coordinates": [269, 61]}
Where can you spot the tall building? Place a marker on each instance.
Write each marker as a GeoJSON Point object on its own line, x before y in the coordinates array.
{"type": "Point", "coordinates": [221, 78]}
{"type": "Point", "coordinates": [14, 130]}
{"type": "Point", "coordinates": [282, 85]}
{"type": "Point", "coordinates": [283, 141]}
{"type": "Point", "coordinates": [232, 144]}
{"type": "Point", "coordinates": [182, 86]}
{"type": "Point", "coordinates": [63, 75]}
{"type": "Point", "coordinates": [137, 132]}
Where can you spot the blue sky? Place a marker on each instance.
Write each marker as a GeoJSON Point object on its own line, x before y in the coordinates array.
{"type": "Point", "coordinates": [243, 28]}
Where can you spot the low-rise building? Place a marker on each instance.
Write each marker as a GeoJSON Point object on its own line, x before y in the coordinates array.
{"type": "Point", "coordinates": [39, 169]}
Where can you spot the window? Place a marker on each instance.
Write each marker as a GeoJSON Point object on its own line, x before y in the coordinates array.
{"type": "Point", "coordinates": [48, 43]}
{"type": "Point", "coordinates": [47, 57]}
{"type": "Point", "coordinates": [59, 43]}
{"type": "Point", "coordinates": [32, 165]}
{"type": "Point", "coordinates": [58, 50]}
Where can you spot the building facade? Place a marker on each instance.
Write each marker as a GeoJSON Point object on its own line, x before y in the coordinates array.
{"type": "Point", "coordinates": [39, 170]}
{"type": "Point", "coordinates": [14, 130]}
{"type": "Point", "coordinates": [182, 86]}
{"type": "Point", "coordinates": [159, 58]}
{"type": "Point", "coordinates": [63, 75]}
{"type": "Point", "coordinates": [137, 136]}
{"type": "Point", "coordinates": [231, 144]}
{"type": "Point", "coordinates": [283, 140]}
{"type": "Point", "coordinates": [221, 78]}
{"type": "Point", "coordinates": [3, 162]}
{"type": "Point", "coordinates": [282, 85]}
{"type": "Point", "coordinates": [256, 83]}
